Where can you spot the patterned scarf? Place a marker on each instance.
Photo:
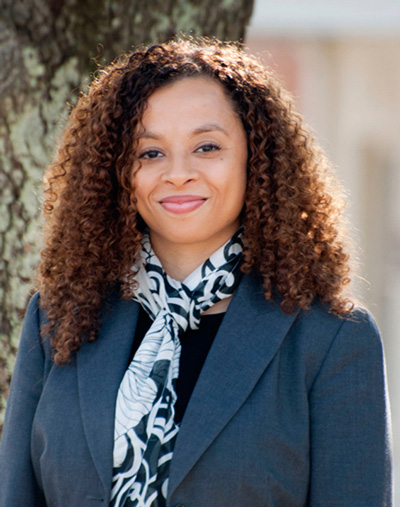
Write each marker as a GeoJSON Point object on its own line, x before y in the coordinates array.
{"type": "Point", "coordinates": [145, 430]}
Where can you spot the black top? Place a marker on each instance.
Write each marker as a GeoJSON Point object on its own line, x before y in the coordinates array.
{"type": "Point", "coordinates": [195, 346]}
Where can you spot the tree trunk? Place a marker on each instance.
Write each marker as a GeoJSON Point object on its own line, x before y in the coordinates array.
{"type": "Point", "coordinates": [47, 49]}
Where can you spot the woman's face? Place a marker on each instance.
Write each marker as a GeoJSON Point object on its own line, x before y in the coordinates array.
{"type": "Point", "coordinates": [191, 183]}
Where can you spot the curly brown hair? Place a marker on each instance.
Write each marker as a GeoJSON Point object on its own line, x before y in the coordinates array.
{"type": "Point", "coordinates": [291, 217]}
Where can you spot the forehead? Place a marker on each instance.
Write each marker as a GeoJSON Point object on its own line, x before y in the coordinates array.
{"type": "Point", "coordinates": [199, 97]}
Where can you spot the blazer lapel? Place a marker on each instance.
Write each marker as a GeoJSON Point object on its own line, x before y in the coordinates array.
{"type": "Point", "coordinates": [101, 366]}
{"type": "Point", "coordinates": [246, 342]}
{"type": "Point", "coordinates": [249, 336]}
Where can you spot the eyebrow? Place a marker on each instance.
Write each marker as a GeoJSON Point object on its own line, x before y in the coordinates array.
{"type": "Point", "coordinates": [208, 127]}
{"type": "Point", "coordinates": [149, 135]}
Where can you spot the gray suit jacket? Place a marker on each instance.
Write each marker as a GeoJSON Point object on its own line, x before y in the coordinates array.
{"type": "Point", "coordinates": [289, 410]}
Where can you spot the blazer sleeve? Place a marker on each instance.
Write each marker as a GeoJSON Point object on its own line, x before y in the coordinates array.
{"type": "Point", "coordinates": [17, 484]}
{"type": "Point", "coordinates": [350, 422]}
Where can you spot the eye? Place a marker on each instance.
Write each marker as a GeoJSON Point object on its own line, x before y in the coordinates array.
{"type": "Point", "coordinates": [209, 147]}
{"type": "Point", "coordinates": [150, 154]}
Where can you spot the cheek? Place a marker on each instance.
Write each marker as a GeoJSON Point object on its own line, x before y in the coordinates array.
{"type": "Point", "coordinates": [142, 187]}
{"type": "Point", "coordinates": [238, 182]}
{"type": "Point", "coordinates": [240, 191]}
{"type": "Point", "coordinates": [234, 195]}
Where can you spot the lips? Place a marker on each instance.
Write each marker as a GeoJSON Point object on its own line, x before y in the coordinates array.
{"type": "Point", "coordinates": [180, 204]}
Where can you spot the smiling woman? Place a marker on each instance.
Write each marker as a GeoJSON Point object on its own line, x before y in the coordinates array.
{"type": "Point", "coordinates": [193, 342]}
{"type": "Point", "coordinates": [190, 181]}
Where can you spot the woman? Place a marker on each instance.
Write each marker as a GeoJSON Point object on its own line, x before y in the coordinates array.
{"type": "Point", "coordinates": [202, 349]}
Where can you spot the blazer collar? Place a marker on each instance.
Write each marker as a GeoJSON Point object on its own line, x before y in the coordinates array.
{"type": "Point", "coordinates": [247, 340]}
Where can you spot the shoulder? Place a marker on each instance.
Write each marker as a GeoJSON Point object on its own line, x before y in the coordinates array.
{"type": "Point", "coordinates": [35, 319]}
{"type": "Point", "coordinates": [319, 339]}
{"type": "Point", "coordinates": [348, 345]}
{"type": "Point", "coordinates": [115, 312]}
{"type": "Point", "coordinates": [32, 311]}
{"type": "Point", "coordinates": [32, 321]}
{"type": "Point", "coordinates": [317, 325]}
{"type": "Point", "coordinates": [357, 326]}
{"type": "Point", "coordinates": [355, 330]}
{"type": "Point", "coordinates": [35, 315]}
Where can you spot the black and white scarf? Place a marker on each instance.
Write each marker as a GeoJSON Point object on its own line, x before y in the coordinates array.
{"type": "Point", "coordinates": [145, 430]}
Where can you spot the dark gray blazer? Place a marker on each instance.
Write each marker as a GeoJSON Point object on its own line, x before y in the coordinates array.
{"type": "Point", "coordinates": [289, 410]}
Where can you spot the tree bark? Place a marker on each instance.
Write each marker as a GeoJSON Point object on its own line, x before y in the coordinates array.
{"type": "Point", "coordinates": [47, 48]}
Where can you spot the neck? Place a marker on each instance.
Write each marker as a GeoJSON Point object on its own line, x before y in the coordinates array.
{"type": "Point", "coordinates": [218, 307]}
{"type": "Point", "coordinates": [178, 261]}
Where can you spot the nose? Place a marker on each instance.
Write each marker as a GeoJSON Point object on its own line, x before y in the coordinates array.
{"type": "Point", "coordinates": [179, 170]}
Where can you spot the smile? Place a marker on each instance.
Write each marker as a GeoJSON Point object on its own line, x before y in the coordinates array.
{"type": "Point", "coordinates": [180, 204]}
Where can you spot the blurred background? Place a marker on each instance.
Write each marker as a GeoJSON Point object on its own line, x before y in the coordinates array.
{"type": "Point", "coordinates": [341, 61]}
